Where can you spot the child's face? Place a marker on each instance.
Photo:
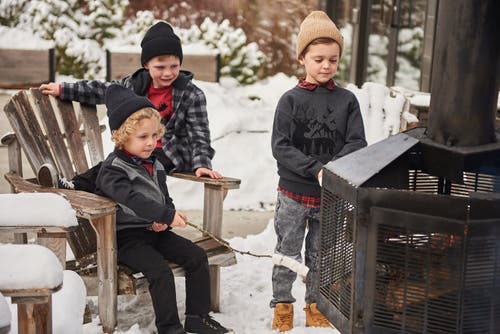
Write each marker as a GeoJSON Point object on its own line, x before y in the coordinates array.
{"type": "Point", "coordinates": [321, 62]}
{"type": "Point", "coordinates": [163, 70]}
{"type": "Point", "coordinates": [142, 141]}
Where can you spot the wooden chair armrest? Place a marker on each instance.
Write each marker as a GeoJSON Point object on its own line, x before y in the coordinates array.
{"type": "Point", "coordinates": [8, 138]}
{"type": "Point", "coordinates": [86, 205]}
{"type": "Point", "coordinates": [225, 182]}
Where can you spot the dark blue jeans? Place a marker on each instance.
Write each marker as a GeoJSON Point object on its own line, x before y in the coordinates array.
{"type": "Point", "coordinates": [146, 251]}
{"type": "Point", "coordinates": [291, 220]}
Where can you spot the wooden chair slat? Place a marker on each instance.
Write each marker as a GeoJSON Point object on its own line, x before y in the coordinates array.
{"type": "Point", "coordinates": [73, 135]}
{"type": "Point", "coordinates": [27, 113]}
{"type": "Point", "coordinates": [53, 133]}
{"type": "Point", "coordinates": [82, 240]}
{"type": "Point", "coordinates": [92, 133]}
{"type": "Point", "coordinates": [17, 115]}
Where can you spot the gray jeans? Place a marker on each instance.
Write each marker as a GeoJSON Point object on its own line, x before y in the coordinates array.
{"type": "Point", "coordinates": [290, 222]}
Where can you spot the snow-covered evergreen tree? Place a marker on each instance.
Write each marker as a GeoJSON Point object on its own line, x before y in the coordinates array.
{"type": "Point", "coordinates": [133, 30]}
{"type": "Point", "coordinates": [104, 18]}
{"type": "Point", "coordinates": [10, 10]}
{"type": "Point", "coordinates": [239, 60]}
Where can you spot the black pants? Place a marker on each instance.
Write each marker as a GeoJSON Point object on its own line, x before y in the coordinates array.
{"type": "Point", "coordinates": [146, 251]}
{"type": "Point", "coordinates": [86, 180]}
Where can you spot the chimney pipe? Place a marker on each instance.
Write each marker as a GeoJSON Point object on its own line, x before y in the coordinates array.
{"type": "Point", "coordinates": [465, 74]}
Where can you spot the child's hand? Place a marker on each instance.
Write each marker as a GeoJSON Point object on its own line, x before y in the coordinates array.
{"type": "Point", "coordinates": [50, 89]}
{"type": "Point", "coordinates": [179, 220]}
{"type": "Point", "coordinates": [320, 178]}
{"type": "Point", "coordinates": [202, 171]}
{"type": "Point", "coordinates": [158, 227]}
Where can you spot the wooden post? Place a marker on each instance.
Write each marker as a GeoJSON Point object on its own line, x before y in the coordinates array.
{"type": "Point", "coordinates": [34, 316]}
{"type": "Point", "coordinates": [106, 270]}
{"type": "Point", "coordinates": [212, 222]}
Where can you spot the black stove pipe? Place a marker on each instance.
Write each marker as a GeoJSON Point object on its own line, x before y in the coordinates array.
{"type": "Point", "coordinates": [465, 75]}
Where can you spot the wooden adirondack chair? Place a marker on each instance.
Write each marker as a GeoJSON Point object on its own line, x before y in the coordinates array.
{"type": "Point", "coordinates": [66, 134]}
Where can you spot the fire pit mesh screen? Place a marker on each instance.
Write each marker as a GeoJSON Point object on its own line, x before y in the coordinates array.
{"type": "Point", "coordinates": [481, 311]}
{"type": "Point", "coordinates": [423, 182]}
{"type": "Point", "coordinates": [473, 182]}
{"type": "Point", "coordinates": [417, 279]}
{"type": "Point", "coordinates": [338, 250]}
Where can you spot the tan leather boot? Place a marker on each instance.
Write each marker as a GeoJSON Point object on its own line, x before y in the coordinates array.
{"type": "Point", "coordinates": [314, 318]}
{"type": "Point", "coordinates": [283, 317]}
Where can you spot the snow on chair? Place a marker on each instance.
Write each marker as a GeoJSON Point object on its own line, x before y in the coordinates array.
{"type": "Point", "coordinates": [385, 111]}
{"type": "Point", "coordinates": [30, 274]}
{"type": "Point", "coordinates": [48, 215]}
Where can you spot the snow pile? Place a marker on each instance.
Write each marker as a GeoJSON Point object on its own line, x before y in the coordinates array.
{"type": "Point", "coordinates": [16, 39]}
{"type": "Point", "coordinates": [36, 209]}
{"type": "Point", "coordinates": [5, 316]}
{"type": "Point", "coordinates": [29, 267]}
{"type": "Point", "coordinates": [68, 304]}
{"type": "Point", "coordinates": [384, 112]}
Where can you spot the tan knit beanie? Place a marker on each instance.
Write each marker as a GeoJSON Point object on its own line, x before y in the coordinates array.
{"type": "Point", "coordinates": [317, 25]}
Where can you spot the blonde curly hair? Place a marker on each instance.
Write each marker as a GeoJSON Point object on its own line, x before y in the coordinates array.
{"type": "Point", "coordinates": [121, 135]}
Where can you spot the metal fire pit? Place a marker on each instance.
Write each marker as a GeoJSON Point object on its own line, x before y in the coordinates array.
{"type": "Point", "coordinates": [403, 251]}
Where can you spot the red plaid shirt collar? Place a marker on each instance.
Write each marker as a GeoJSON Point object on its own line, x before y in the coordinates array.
{"type": "Point", "coordinates": [305, 200]}
{"type": "Point", "coordinates": [330, 85]}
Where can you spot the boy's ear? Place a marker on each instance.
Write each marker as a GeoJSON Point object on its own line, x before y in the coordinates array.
{"type": "Point", "coordinates": [301, 60]}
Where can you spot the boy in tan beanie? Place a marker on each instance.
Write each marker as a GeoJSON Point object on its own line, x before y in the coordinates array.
{"type": "Point", "coordinates": [315, 122]}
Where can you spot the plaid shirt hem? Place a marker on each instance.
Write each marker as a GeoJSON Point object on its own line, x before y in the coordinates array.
{"type": "Point", "coordinates": [305, 200]}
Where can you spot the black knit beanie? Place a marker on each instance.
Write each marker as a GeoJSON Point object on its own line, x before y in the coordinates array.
{"type": "Point", "coordinates": [160, 40]}
{"type": "Point", "coordinates": [122, 102]}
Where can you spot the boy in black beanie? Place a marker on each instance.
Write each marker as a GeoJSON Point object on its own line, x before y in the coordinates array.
{"type": "Point", "coordinates": [181, 104]}
{"type": "Point", "coordinates": [145, 216]}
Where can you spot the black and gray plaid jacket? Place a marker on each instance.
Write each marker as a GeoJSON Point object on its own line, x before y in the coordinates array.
{"type": "Point", "coordinates": [187, 137]}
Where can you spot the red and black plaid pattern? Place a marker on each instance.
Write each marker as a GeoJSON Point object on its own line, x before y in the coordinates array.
{"type": "Point", "coordinates": [330, 85]}
{"type": "Point", "coordinates": [305, 200]}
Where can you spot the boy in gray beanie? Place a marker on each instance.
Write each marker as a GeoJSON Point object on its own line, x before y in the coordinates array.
{"type": "Point", "coordinates": [174, 95]}
{"type": "Point", "coordinates": [315, 122]}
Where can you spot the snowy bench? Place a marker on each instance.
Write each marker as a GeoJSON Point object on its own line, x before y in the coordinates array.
{"type": "Point", "coordinates": [50, 216]}
{"type": "Point", "coordinates": [30, 274]}
{"type": "Point", "coordinates": [22, 68]}
{"type": "Point", "coordinates": [206, 67]}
